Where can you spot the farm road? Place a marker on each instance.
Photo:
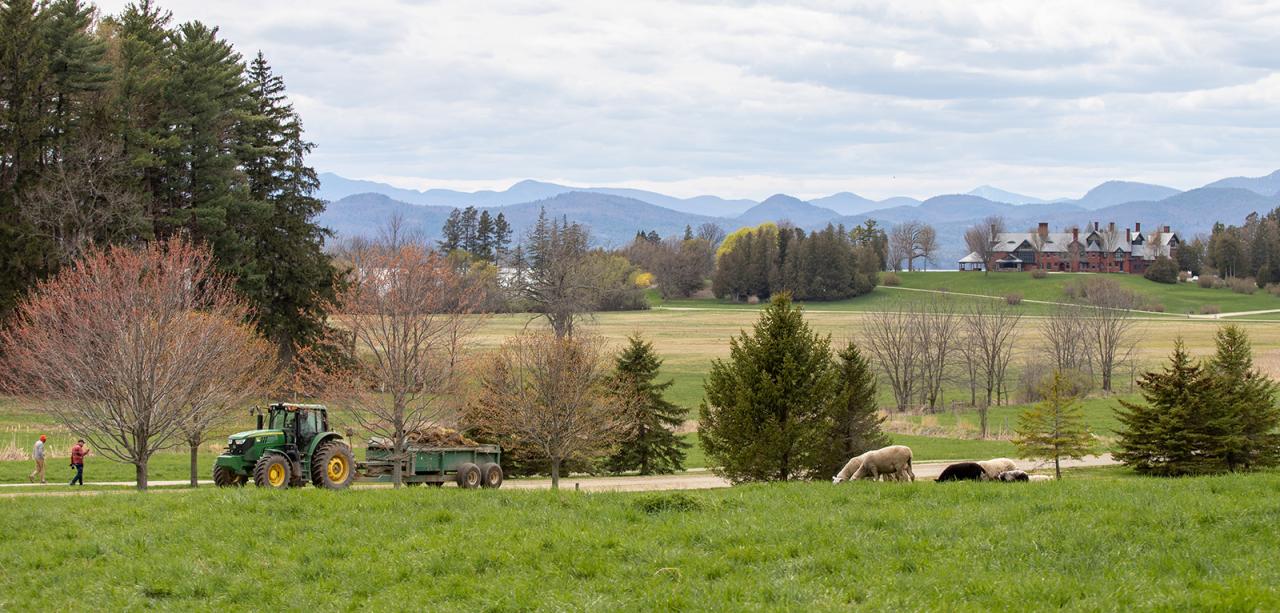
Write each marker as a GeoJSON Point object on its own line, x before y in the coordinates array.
{"type": "Point", "coordinates": [693, 480]}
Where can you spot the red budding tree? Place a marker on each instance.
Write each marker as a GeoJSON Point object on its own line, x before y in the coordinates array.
{"type": "Point", "coordinates": [137, 349]}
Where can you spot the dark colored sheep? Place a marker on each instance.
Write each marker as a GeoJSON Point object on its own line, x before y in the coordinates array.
{"type": "Point", "coordinates": [963, 471]}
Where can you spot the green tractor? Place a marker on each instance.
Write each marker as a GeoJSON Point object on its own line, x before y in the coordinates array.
{"type": "Point", "coordinates": [294, 446]}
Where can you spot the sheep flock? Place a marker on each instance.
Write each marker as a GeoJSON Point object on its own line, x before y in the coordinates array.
{"type": "Point", "coordinates": [893, 463]}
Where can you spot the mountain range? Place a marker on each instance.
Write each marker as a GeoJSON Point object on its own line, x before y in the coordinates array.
{"type": "Point", "coordinates": [360, 208]}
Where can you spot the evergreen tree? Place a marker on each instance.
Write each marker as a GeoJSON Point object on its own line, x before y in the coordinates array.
{"type": "Point", "coordinates": [501, 237]}
{"type": "Point", "coordinates": [288, 276]}
{"type": "Point", "coordinates": [484, 237]}
{"type": "Point", "coordinates": [1172, 432]}
{"type": "Point", "coordinates": [855, 419]}
{"type": "Point", "coordinates": [468, 223]}
{"type": "Point", "coordinates": [452, 232]}
{"type": "Point", "coordinates": [766, 412]}
{"type": "Point", "coordinates": [1054, 428]}
{"type": "Point", "coordinates": [1252, 441]}
{"type": "Point", "coordinates": [688, 232]}
{"type": "Point", "coordinates": [649, 443]}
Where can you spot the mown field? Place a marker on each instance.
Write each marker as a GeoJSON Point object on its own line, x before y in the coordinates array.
{"type": "Point", "coordinates": [1097, 542]}
{"type": "Point", "coordinates": [688, 340]}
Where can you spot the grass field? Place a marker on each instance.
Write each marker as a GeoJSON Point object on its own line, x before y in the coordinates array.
{"type": "Point", "coordinates": [1095, 543]}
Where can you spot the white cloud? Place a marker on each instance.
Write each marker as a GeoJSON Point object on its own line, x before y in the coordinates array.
{"type": "Point", "coordinates": [749, 99]}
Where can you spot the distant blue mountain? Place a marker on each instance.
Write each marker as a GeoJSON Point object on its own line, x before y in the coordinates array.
{"type": "Point", "coordinates": [1266, 186]}
{"type": "Point", "coordinates": [1120, 192]}
{"type": "Point", "coordinates": [996, 194]}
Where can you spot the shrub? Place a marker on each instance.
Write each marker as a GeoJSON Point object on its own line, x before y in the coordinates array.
{"type": "Point", "coordinates": [1013, 299]}
{"type": "Point", "coordinates": [1205, 281]}
{"type": "Point", "coordinates": [671, 501]}
{"type": "Point", "coordinates": [1162, 270]}
{"type": "Point", "coordinates": [1183, 276]}
{"type": "Point", "coordinates": [1274, 289]}
{"type": "Point", "coordinates": [890, 279]}
{"type": "Point", "coordinates": [1154, 307]}
{"type": "Point", "coordinates": [1039, 273]}
{"type": "Point", "coordinates": [1035, 375]}
{"type": "Point", "coordinates": [1242, 285]}
{"type": "Point", "coordinates": [1210, 309]}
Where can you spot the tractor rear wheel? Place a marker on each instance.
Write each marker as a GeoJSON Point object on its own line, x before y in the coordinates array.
{"type": "Point", "coordinates": [272, 470]}
{"type": "Point", "coordinates": [490, 475]}
{"type": "Point", "coordinates": [333, 466]}
{"type": "Point", "coordinates": [469, 476]}
{"type": "Point", "coordinates": [225, 477]}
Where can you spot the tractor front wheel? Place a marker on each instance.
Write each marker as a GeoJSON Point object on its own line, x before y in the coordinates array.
{"type": "Point", "coordinates": [272, 470]}
{"type": "Point", "coordinates": [333, 466]}
{"type": "Point", "coordinates": [490, 475]}
{"type": "Point", "coordinates": [225, 477]}
{"type": "Point", "coordinates": [469, 476]}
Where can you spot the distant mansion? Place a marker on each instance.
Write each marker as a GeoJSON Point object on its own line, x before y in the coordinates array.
{"type": "Point", "coordinates": [1095, 250]}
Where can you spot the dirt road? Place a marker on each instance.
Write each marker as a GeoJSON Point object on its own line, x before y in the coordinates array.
{"type": "Point", "coordinates": [693, 480]}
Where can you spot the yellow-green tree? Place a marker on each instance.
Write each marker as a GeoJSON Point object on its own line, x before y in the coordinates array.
{"type": "Point", "coordinates": [1054, 428]}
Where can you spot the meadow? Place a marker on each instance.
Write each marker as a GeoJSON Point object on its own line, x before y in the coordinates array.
{"type": "Point", "coordinates": [1097, 542]}
{"type": "Point", "coordinates": [689, 337]}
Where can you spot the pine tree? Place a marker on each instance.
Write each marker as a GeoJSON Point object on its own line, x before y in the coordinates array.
{"type": "Point", "coordinates": [765, 415]}
{"type": "Point", "coordinates": [688, 232]}
{"type": "Point", "coordinates": [650, 444]}
{"type": "Point", "coordinates": [288, 276]}
{"type": "Point", "coordinates": [855, 418]}
{"type": "Point", "coordinates": [484, 237]}
{"type": "Point", "coordinates": [1054, 428]}
{"type": "Point", "coordinates": [452, 232]}
{"type": "Point", "coordinates": [468, 226]}
{"type": "Point", "coordinates": [501, 237]}
{"type": "Point", "coordinates": [1251, 398]}
{"type": "Point", "coordinates": [1171, 432]}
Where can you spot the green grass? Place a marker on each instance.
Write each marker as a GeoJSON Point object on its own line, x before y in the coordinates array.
{"type": "Point", "coordinates": [1097, 543]}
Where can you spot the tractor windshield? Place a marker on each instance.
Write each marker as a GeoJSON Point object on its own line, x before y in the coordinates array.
{"type": "Point", "coordinates": [282, 420]}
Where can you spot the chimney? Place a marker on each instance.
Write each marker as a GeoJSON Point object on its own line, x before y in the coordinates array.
{"type": "Point", "coordinates": [1137, 227]}
{"type": "Point", "coordinates": [1165, 230]}
{"type": "Point", "coordinates": [1043, 230]}
{"type": "Point", "coordinates": [1075, 235]}
{"type": "Point", "coordinates": [993, 232]}
{"type": "Point", "coordinates": [1095, 226]}
{"type": "Point", "coordinates": [1128, 235]}
{"type": "Point", "coordinates": [1111, 227]}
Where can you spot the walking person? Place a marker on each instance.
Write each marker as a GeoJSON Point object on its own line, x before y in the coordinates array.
{"type": "Point", "coordinates": [78, 452]}
{"type": "Point", "coordinates": [37, 454]}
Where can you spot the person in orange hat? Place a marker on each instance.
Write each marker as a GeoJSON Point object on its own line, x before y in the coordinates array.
{"type": "Point", "coordinates": [37, 454]}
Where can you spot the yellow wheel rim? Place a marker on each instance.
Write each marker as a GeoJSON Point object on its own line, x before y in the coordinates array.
{"type": "Point", "coordinates": [338, 469]}
{"type": "Point", "coordinates": [275, 475]}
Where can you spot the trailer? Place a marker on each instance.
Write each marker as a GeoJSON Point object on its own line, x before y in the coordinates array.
{"type": "Point", "coordinates": [469, 467]}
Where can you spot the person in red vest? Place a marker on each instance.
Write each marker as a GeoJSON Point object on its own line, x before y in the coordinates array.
{"type": "Point", "coordinates": [78, 452]}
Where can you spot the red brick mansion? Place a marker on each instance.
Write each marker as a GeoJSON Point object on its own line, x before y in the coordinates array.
{"type": "Point", "coordinates": [1096, 249]}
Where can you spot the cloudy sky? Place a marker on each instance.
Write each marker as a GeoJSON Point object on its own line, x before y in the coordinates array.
{"type": "Point", "coordinates": [748, 99]}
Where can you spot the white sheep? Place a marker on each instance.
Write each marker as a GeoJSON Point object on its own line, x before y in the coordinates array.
{"type": "Point", "coordinates": [993, 468]}
{"type": "Point", "coordinates": [893, 462]}
{"type": "Point", "coordinates": [1041, 477]}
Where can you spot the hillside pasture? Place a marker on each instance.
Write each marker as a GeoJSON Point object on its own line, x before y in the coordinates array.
{"type": "Point", "coordinates": [1095, 543]}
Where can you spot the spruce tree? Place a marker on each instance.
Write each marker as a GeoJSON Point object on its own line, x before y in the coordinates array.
{"type": "Point", "coordinates": [1054, 428]}
{"type": "Point", "coordinates": [765, 415]}
{"type": "Point", "coordinates": [1175, 430]}
{"type": "Point", "coordinates": [649, 444]}
{"type": "Point", "coordinates": [1250, 398]}
{"type": "Point", "coordinates": [501, 237]}
{"type": "Point", "coordinates": [452, 232]}
{"type": "Point", "coordinates": [288, 276]}
{"type": "Point", "coordinates": [484, 237]}
{"type": "Point", "coordinates": [854, 417]}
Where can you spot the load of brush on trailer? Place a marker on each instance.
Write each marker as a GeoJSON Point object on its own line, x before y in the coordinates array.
{"type": "Point", "coordinates": [433, 456]}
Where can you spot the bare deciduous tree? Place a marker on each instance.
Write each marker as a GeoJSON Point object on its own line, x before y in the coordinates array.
{"type": "Point", "coordinates": [560, 281]}
{"type": "Point", "coordinates": [911, 240]}
{"type": "Point", "coordinates": [1066, 339]}
{"type": "Point", "coordinates": [712, 233]}
{"type": "Point", "coordinates": [935, 328]}
{"type": "Point", "coordinates": [989, 329]}
{"type": "Point", "coordinates": [83, 194]}
{"type": "Point", "coordinates": [981, 239]}
{"type": "Point", "coordinates": [550, 394]}
{"type": "Point", "coordinates": [1110, 327]}
{"type": "Point", "coordinates": [408, 313]}
{"type": "Point", "coordinates": [128, 348]}
{"type": "Point", "coordinates": [889, 340]}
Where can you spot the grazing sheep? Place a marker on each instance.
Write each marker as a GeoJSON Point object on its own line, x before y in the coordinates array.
{"type": "Point", "coordinates": [892, 462]}
{"type": "Point", "coordinates": [963, 471]}
{"type": "Point", "coordinates": [994, 467]}
{"type": "Point", "coordinates": [1013, 475]}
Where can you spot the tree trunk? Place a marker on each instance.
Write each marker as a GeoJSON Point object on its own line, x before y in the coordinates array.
{"type": "Point", "coordinates": [1057, 468]}
{"type": "Point", "coordinates": [982, 415]}
{"type": "Point", "coordinates": [141, 472]}
{"type": "Point", "coordinates": [195, 465]}
{"type": "Point", "coordinates": [397, 475]}
{"type": "Point", "coordinates": [555, 473]}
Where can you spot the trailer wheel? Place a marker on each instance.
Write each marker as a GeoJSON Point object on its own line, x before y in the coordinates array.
{"type": "Point", "coordinates": [272, 471]}
{"type": "Point", "coordinates": [332, 466]}
{"type": "Point", "coordinates": [491, 475]}
{"type": "Point", "coordinates": [469, 476]}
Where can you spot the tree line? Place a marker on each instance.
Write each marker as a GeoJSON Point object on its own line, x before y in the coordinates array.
{"type": "Point", "coordinates": [827, 264]}
{"type": "Point", "coordinates": [130, 128]}
{"type": "Point", "coordinates": [1249, 250]}
{"type": "Point", "coordinates": [479, 234]}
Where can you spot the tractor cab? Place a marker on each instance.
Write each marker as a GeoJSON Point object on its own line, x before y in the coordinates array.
{"type": "Point", "coordinates": [300, 423]}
